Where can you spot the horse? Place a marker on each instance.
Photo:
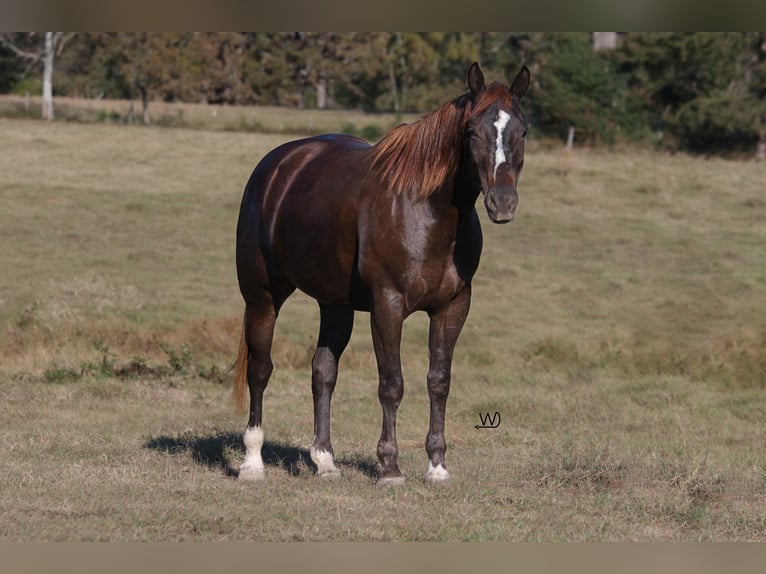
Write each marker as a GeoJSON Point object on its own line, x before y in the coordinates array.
{"type": "Point", "coordinates": [389, 229]}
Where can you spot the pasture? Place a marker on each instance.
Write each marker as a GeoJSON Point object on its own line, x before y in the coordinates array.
{"type": "Point", "coordinates": [617, 327]}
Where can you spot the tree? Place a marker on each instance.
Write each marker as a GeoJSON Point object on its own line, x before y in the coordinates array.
{"type": "Point", "coordinates": [51, 39]}
{"type": "Point", "coordinates": [216, 67]}
{"type": "Point", "coordinates": [604, 41]}
{"type": "Point", "coordinates": [758, 88]}
{"type": "Point", "coordinates": [10, 68]}
{"type": "Point", "coordinates": [148, 64]}
{"type": "Point", "coordinates": [318, 57]}
{"type": "Point", "coordinates": [52, 46]}
{"type": "Point", "coordinates": [574, 88]}
{"type": "Point", "coordinates": [703, 91]}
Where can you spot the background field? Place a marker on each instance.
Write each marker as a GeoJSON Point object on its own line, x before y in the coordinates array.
{"type": "Point", "coordinates": [261, 119]}
{"type": "Point", "coordinates": [617, 327]}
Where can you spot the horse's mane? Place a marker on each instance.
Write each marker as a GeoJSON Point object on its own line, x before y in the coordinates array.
{"type": "Point", "coordinates": [419, 157]}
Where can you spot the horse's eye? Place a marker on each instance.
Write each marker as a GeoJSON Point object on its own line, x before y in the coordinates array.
{"type": "Point", "coordinates": [471, 135]}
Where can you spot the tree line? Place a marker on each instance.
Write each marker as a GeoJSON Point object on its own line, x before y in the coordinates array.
{"type": "Point", "coordinates": [698, 92]}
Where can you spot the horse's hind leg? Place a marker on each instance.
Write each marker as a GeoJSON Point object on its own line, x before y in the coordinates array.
{"type": "Point", "coordinates": [334, 334]}
{"type": "Point", "coordinates": [260, 317]}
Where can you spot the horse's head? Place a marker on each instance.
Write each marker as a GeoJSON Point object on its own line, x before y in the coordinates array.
{"type": "Point", "coordinates": [495, 133]}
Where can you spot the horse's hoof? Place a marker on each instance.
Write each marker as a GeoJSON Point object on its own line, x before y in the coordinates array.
{"type": "Point", "coordinates": [250, 474]}
{"type": "Point", "coordinates": [437, 475]}
{"type": "Point", "coordinates": [325, 465]}
{"type": "Point", "coordinates": [332, 474]}
{"type": "Point", "coordinates": [390, 481]}
{"type": "Point", "coordinates": [435, 481]}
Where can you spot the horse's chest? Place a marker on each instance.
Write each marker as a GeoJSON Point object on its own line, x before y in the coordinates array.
{"type": "Point", "coordinates": [440, 291]}
{"type": "Point", "coordinates": [431, 283]}
{"type": "Point", "coordinates": [426, 260]}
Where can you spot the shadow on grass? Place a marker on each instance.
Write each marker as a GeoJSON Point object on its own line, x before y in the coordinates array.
{"type": "Point", "coordinates": [211, 451]}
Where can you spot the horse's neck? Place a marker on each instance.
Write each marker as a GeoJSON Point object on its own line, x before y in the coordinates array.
{"type": "Point", "coordinates": [464, 187]}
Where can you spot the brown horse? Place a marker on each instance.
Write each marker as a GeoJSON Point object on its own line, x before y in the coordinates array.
{"type": "Point", "coordinates": [390, 229]}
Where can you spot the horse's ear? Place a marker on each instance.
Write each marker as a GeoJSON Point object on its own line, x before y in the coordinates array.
{"type": "Point", "coordinates": [520, 83]}
{"type": "Point", "coordinates": [476, 79]}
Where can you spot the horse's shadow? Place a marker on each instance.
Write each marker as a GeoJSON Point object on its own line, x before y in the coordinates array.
{"type": "Point", "coordinates": [214, 452]}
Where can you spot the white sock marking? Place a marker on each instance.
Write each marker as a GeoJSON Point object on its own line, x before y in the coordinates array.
{"type": "Point", "coordinates": [436, 473]}
{"type": "Point", "coordinates": [253, 463]}
{"type": "Point", "coordinates": [324, 462]}
{"type": "Point", "coordinates": [502, 121]}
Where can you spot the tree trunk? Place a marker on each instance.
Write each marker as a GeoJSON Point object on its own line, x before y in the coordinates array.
{"type": "Point", "coordinates": [322, 92]}
{"type": "Point", "coordinates": [48, 77]}
{"type": "Point", "coordinates": [394, 89]}
{"type": "Point", "coordinates": [405, 71]}
{"type": "Point", "coordinates": [144, 103]}
{"type": "Point", "coordinates": [760, 152]}
{"type": "Point", "coordinates": [483, 57]}
{"type": "Point", "coordinates": [570, 138]}
{"type": "Point", "coordinates": [604, 41]}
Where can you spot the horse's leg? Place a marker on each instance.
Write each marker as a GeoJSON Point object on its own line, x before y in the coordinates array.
{"type": "Point", "coordinates": [386, 319]}
{"type": "Point", "coordinates": [334, 334]}
{"type": "Point", "coordinates": [260, 317]}
{"type": "Point", "coordinates": [445, 328]}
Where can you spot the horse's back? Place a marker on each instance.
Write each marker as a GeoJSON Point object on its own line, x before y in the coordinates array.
{"type": "Point", "coordinates": [298, 217]}
{"type": "Point", "coordinates": [288, 161]}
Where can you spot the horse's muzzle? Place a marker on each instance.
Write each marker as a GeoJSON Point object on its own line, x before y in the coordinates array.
{"type": "Point", "coordinates": [501, 204]}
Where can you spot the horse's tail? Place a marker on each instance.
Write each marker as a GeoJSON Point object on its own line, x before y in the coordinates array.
{"type": "Point", "coordinates": [240, 377]}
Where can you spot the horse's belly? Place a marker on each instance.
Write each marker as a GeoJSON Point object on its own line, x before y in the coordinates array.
{"type": "Point", "coordinates": [321, 273]}
{"type": "Point", "coordinates": [317, 258]}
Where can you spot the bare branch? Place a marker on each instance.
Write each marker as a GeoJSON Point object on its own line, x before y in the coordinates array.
{"type": "Point", "coordinates": [499, 43]}
{"type": "Point", "coordinates": [36, 57]}
{"type": "Point", "coordinates": [60, 39]}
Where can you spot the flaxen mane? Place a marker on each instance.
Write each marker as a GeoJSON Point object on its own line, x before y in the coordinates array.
{"type": "Point", "coordinates": [419, 157]}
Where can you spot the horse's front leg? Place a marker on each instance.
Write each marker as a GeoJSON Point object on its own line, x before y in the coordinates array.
{"type": "Point", "coordinates": [446, 324]}
{"type": "Point", "coordinates": [386, 320]}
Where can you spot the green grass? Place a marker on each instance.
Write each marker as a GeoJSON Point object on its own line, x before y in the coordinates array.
{"type": "Point", "coordinates": [617, 326]}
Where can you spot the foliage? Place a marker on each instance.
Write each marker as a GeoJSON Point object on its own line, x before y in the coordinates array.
{"type": "Point", "coordinates": [10, 70]}
{"type": "Point", "coordinates": [706, 90]}
{"type": "Point", "coordinates": [702, 92]}
{"type": "Point", "coordinates": [576, 87]}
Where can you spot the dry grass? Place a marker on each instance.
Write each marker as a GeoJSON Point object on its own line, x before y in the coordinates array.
{"type": "Point", "coordinates": [617, 326]}
{"type": "Point", "coordinates": [262, 119]}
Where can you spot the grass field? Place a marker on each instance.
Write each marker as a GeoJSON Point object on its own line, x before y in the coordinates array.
{"type": "Point", "coordinates": [261, 119]}
{"type": "Point", "coordinates": [617, 326]}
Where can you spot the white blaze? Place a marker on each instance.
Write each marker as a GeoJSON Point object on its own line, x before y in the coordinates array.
{"type": "Point", "coordinates": [502, 121]}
